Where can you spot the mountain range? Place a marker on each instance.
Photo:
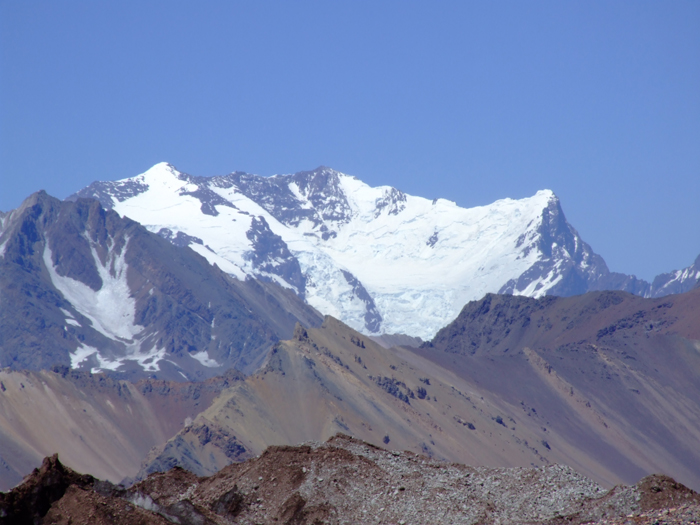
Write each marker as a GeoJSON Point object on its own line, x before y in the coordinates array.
{"type": "Point", "coordinates": [605, 382]}
{"type": "Point", "coordinates": [170, 320]}
{"type": "Point", "coordinates": [372, 257]}
{"type": "Point", "coordinates": [82, 287]}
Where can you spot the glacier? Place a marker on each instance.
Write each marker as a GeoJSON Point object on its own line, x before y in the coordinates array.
{"type": "Point", "coordinates": [380, 260]}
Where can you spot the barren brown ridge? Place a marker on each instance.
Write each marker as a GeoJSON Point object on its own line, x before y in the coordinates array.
{"type": "Point", "coordinates": [343, 481]}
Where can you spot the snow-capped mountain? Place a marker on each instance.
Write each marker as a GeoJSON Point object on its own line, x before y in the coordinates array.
{"type": "Point", "coordinates": [378, 259]}
{"type": "Point", "coordinates": [83, 287]}
{"type": "Point", "coordinates": [677, 281]}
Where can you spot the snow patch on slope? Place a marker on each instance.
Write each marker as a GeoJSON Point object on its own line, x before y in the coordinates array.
{"type": "Point", "coordinates": [204, 359]}
{"type": "Point", "coordinates": [80, 355]}
{"type": "Point", "coordinates": [111, 309]}
{"type": "Point", "coordinates": [147, 360]}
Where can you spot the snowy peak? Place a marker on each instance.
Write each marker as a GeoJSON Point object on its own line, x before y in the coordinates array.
{"type": "Point", "coordinates": [370, 256]}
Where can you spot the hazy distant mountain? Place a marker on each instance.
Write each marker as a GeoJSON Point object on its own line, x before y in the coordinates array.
{"type": "Point", "coordinates": [605, 382]}
{"type": "Point", "coordinates": [83, 287]}
{"type": "Point", "coordinates": [678, 281]}
{"type": "Point", "coordinates": [380, 260]}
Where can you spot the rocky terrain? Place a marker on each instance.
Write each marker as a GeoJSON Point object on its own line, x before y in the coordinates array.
{"type": "Point", "coordinates": [605, 383]}
{"type": "Point", "coordinates": [346, 481]}
{"type": "Point", "coordinates": [94, 291]}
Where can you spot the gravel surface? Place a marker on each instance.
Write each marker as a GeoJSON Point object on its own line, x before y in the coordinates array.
{"type": "Point", "coordinates": [347, 481]}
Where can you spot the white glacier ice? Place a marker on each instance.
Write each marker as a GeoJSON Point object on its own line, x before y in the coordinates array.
{"type": "Point", "coordinates": [412, 255]}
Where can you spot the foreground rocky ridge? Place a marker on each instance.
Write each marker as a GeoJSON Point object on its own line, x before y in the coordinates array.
{"type": "Point", "coordinates": [346, 481]}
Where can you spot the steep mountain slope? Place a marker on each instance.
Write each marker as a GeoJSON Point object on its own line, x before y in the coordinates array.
{"type": "Point", "coordinates": [96, 424]}
{"type": "Point", "coordinates": [333, 379]}
{"type": "Point", "coordinates": [346, 481]}
{"type": "Point", "coordinates": [614, 413]}
{"type": "Point", "coordinates": [372, 257]}
{"type": "Point", "coordinates": [82, 287]}
{"type": "Point", "coordinates": [616, 375]}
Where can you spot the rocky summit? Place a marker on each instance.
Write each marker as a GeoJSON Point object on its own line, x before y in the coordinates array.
{"type": "Point", "coordinates": [345, 481]}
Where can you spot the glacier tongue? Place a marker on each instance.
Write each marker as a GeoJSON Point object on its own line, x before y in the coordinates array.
{"type": "Point", "coordinates": [378, 259]}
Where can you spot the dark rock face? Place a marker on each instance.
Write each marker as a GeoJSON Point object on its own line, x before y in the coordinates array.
{"type": "Point", "coordinates": [396, 388]}
{"type": "Point", "coordinates": [270, 255]}
{"type": "Point", "coordinates": [179, 239]}
{"type": "Point", "coordinates": [106, 192]}
{"type": "Point", "coordinates": [373, 319]}
{"type": "Point", "coordinates": [320, 187]}
{"type": "Point", "coordinates": [393, 202]}
{"type": "Point", "coordinates": [209, 199]}
{"type": "Point", "coordinates": [181, 304]}
{"type": "Point", "coordinates": [30, 501]}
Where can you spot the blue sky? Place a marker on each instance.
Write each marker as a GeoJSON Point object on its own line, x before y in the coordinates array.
{"type": "Point", "coordinates": [471, 101]}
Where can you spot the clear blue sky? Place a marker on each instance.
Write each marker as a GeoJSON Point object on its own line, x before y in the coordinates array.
{"type": "Point", "coordinates": [471, 101]}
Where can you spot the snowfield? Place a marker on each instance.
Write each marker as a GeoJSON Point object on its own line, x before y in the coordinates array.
{"type": "Point", "coordinates": [376, 258]}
